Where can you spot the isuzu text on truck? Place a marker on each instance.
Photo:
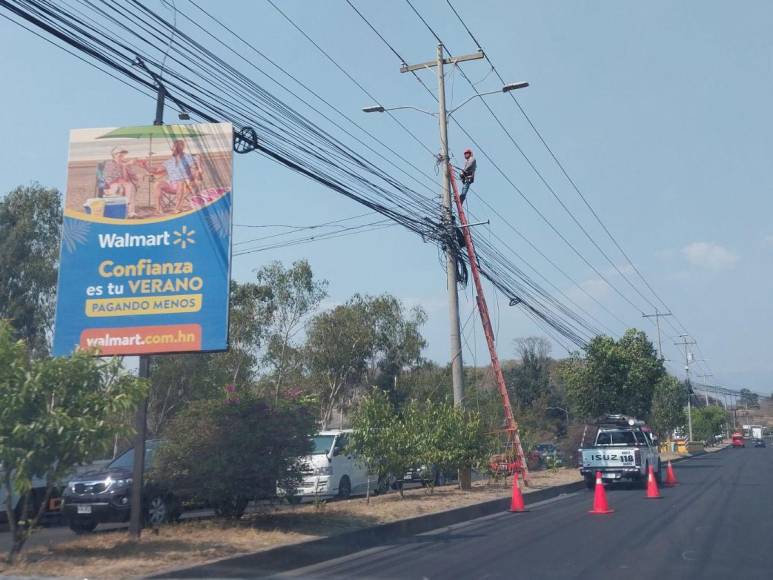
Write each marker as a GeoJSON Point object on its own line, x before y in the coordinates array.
{"type": "Point", "coordinates": [623, 449]}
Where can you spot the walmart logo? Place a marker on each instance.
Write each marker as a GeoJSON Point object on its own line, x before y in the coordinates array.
{"type": "Point", "coordinates": [184, 237]}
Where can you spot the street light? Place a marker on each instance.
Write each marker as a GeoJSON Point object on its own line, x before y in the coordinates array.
{"type": "Point", "coordinates": [505, 89]}
{"type": "Point", "coordinates": [382, 109]}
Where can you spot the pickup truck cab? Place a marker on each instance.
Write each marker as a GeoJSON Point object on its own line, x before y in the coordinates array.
{"type": "Point", "coordinates": [623, 450]}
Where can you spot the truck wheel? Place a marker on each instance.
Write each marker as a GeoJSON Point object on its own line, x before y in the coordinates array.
{"type": "Point", "coordinates": [590, 482]}
{"type": "Point", "coordinates": [82, 526]}
{"type": "Point", "coordinates": [659, 473]}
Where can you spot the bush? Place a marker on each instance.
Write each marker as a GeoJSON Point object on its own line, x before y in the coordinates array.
{"type": "Point", "coordinates": [227, 453]}
{"type": "Point", "coordinates": [435, 437]}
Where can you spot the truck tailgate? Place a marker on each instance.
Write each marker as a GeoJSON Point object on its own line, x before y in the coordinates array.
{"type": "Point", "coordinates": [608, 457]}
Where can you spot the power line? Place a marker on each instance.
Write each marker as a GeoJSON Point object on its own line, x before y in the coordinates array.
{"type": "Point", "coordinates": [568, 177]}
{"type": "Point", "coordinates": [211, 89]}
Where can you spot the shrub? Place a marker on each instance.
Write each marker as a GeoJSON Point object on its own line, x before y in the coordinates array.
{"type": "Point", "coordinates": [226, 453]}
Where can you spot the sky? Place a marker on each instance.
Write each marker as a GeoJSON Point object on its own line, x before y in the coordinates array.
{"type": "Point", "coordinates": [659, 112]}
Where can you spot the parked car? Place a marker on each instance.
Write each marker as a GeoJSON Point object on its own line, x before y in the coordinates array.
{"type": "Point", "coordinates": [622, 451]}
{"type": "Point", "coordinates": [425, 475]}
{"type": "Point", "coordinates": [331, 471]}
{"type": "Point", "coordinates": [738, 441]}
{"type": "Point", "coordinates": [104, 495]}
{"type": "Point", "coordinates": [38, 493]}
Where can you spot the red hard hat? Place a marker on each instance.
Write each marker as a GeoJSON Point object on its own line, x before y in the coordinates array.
{"type": "Point", "coordinates": [466, 151]}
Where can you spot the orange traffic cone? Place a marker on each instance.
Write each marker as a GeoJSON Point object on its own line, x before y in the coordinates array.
{"type": "Point", "coordinates": [671, 476]}
{"type": "Point", "coordinates": [652, 485]}
{"type": "Point", "coordinates": [516, 503]}
{"type": "Point", "coordinates": [600, 498]}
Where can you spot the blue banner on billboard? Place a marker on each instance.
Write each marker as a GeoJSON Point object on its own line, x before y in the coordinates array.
{"type": "Point", "coordinates": [146, 240]}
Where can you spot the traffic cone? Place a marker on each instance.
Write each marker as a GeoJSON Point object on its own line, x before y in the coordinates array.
{"type": "Point", "coordinates": [670, 476]}
{"type": "Point", "coordinates": [516, 503]}
{"type": "Point", "coordinates": [600, 498]}
{"type": "Point", "coordinates": [652, 485]}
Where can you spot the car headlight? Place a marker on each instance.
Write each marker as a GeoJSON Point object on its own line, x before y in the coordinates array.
{"type": "Point", "coordinates": [324, 470]}
{"type": "Point", "coordinates": [110, 482]}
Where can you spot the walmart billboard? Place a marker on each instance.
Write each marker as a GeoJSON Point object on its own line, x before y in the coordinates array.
{"type": "Point", "coordinates": [145, 256]}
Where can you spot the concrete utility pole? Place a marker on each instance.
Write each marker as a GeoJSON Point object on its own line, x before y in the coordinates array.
{"type": "Point", "coordinates": [685, 343]}
{"type": "Point", "coordinates": [657, 317]}
{"type": "Point", "coordinates": [705, 386]}
{"type": "Point", "coordinates": [457, 375]}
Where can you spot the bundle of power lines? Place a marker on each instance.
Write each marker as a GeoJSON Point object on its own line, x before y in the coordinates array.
{"type": "Point", "coordinates": [112, 36]}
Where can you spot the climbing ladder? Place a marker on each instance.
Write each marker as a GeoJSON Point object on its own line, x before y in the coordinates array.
{"type": "Point", "coordinates": [511, 426]}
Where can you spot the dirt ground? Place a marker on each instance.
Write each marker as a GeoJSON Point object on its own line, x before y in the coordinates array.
{"type": "Point", "coordinates": [111, 554]}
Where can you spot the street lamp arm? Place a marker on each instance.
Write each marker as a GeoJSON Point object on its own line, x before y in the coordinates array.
{"type": "Point", "coordinates": [382, 109]}
{"type": "Point", "coordinates": [505, 89]}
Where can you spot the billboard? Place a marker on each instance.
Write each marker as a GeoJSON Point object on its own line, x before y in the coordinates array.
{"type": "Point", "coordinates": [146, 240]}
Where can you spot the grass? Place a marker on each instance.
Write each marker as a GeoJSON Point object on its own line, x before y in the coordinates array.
{"type": "Point", "coordinates": [113, 554]}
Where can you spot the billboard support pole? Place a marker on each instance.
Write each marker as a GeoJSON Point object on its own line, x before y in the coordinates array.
{"type": "Point", "coordinates": [141, 416]}
{"type": "Point", "coordinates": [138, 469]}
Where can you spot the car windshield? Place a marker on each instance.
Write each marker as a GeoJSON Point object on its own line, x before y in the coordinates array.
{"type": "Point", "coordinates": [322, 444]}
{"type": "Point", "coordinates": [616, 438]}
{"type": "Point", "coordinates": [126, 460]}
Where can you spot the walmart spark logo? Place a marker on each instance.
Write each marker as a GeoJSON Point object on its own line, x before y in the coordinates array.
{"type": "Point", "coordinates": [184, 237]}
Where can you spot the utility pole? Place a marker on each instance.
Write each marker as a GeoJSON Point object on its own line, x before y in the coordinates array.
{"type": "Point", "coordinates": [705, 386]}
{"type": "Point", "coordinates": [685, 343]}
{"type": "Point", "coordinates": [657, 317]}
{"type": "Point", "coordinates": [457, 375]}
{"type": "Point", "coordinates": [457, 369]}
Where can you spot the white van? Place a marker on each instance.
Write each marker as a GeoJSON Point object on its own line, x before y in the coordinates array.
{"type": "Point", "coordinates": [330, 471]}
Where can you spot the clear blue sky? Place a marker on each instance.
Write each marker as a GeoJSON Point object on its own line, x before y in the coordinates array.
{"type": "Point", "coordinates": [660, 111]}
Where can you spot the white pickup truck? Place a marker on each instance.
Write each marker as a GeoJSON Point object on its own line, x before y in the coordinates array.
{"type": "Point", "coordinates": [623, 449]}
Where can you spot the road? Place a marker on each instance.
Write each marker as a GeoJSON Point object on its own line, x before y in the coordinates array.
{"type": "Point", "coordinates": [717, 524]}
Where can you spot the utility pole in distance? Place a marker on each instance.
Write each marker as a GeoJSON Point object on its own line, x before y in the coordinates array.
{"type": "Point", "coordinates": [685, 343]}
{"type": "Point", "coordinates": [457, 368]}
{"type": "Point", "coordinates": [706, 386]}
{"type": "Point", "coordinates": [657, 317]}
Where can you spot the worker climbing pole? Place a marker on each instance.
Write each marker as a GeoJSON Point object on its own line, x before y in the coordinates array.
{"type": "Point", "coordinates": [511, 426]}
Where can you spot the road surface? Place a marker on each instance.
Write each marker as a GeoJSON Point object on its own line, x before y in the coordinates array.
{"type": "Point", "coordinates": [717, 524]}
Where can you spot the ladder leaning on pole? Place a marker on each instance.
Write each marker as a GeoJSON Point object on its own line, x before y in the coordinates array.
{"type": "Point", "coordinates": [511, 426]}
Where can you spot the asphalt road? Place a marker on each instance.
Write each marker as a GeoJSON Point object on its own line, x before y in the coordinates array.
{"type": "Point", "coordinates": [717, 524]}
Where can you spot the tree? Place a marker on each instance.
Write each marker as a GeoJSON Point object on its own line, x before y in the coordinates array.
{"type": "Point", "coordinates": [748, 399]}
{"type": "Point", "coordinates": [178, 379]}
{"type": "Point", "coordinates": [397, 341]}
{"type": "Point", "coordinates": [54, 414]}
{"type": "Point", "coordinates": [338, 344]}
{"type": "Point", "coordinates": [445, 437]}
{"type": "Point", "coordinates": [30, 226]}
{"type": "Point", "coordinates": [368, 339]}
{"type": "Point", "coordinates": [668, 402]}
{"type": "Point", "coordinates": [376, 440]}
{"type": "Point", "coordinates": [437, 438]}
{"type": "Point", "coordinates": [529, 380]}
{"type": "Point", "coordinates": [613, 376]}
{"type": "Point", "coordinates": [708, 422]}
{"type": "Point", "coordinates": [230, 451]}
{"type": "Point", "coordinates": [295, 294]}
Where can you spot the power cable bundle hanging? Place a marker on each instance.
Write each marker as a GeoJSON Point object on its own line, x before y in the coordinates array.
{"type": "Point", "coordinates": [210, 89]}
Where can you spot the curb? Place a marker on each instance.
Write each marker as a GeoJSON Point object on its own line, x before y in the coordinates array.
{"type": "Point", "coordinates": [290, 557]}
